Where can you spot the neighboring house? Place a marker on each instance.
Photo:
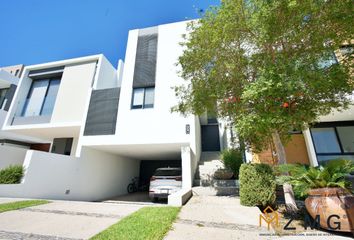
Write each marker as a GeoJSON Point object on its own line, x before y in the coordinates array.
{"type": "Point", "coordinates": [92, 128]}
{"type": "Point", "coordinates": [331, 138]}
{"type": "Point", "coordinates": [9, 78]}
{"type": "Point", "coordinates": [15, 70]}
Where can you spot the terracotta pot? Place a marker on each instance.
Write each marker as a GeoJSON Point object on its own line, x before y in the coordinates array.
{"type": "Point", "coordinates": [223, 174]}
{"type": "Point", "coordinates": [327, 202]}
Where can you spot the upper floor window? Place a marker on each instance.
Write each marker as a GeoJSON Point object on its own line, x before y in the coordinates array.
{"type": "Point", "coordinates": [3, 92]}
{"type": "Point", "coordinates": [41, 97]}
{"type": "Point", "coordinates": [143, 97]}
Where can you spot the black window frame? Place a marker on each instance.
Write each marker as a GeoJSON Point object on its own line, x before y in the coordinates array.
{"type": "Point", "coordinates": [50, 79]}
{"type": "Point", "coordinates": [333, 125]}
{"type": "Point", "coordinates": [3, 100]}
{"type": "Point", "coordinates": [144, 105]}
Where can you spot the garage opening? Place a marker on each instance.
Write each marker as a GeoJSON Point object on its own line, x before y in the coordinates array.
{"type": "Point", "coordinates": [148, 167]}
{"type": "Point", "coordinates": [146, 170]}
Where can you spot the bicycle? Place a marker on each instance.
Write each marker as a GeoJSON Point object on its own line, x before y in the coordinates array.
{"type": "Point", "coordinates": [133, 186]}
{"type": "Point", "coordinates": [136, 186]}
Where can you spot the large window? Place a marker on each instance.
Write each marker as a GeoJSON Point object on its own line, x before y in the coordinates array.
{"type": "Point", "coordinates": [143, 97]}
{"type": "Point", "coordinates": [3, 92]}
{"type": "Point", "coordinates": [41, 97]}
{"type": "Point", "coordinates": [334, 141]}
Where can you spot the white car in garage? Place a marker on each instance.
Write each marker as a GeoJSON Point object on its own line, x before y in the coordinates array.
{"type": "Point", "coordinates": [164, 182]}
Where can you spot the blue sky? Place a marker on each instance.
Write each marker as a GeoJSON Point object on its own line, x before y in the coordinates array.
{"type": "Point", "coordinates": [38, 31]}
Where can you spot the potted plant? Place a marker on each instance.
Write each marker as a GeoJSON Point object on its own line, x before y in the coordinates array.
{"type": "Point", "coordinates": [232, 160]}
{"type": "Point", "coordinates": [223, 174]}
{"type": "Point", "coordinates": [327, 190]}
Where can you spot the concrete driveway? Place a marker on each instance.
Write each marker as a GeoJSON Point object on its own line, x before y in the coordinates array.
{"type": "Point", "coordinates": [62, 219]}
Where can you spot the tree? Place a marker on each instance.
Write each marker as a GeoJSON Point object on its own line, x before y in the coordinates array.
{"type": "Point", "coordinates": [268, 65]}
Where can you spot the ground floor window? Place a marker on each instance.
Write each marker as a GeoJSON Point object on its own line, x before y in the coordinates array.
{"type": "Point", "coordinates": [333, 140]}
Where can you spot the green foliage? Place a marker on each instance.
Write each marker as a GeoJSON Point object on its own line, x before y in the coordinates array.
{"type": "Point", "coordinates": [148, 223]}
{"type": "Point", "coordinates": [303, 178]}
{"type": "Point", "coordinates": [11, 175]}
{"type": "Point", "coordinates": [257, 185]}
{"type": "Point", "coordinates": [232, 158]}
{"type": "Point", "coordinates": [267, 64]}
{"type": "Point", "coordinates": [4, 207]}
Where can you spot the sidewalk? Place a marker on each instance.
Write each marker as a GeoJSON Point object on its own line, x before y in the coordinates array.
{"type": "Point", "coordinates": [215, 217]}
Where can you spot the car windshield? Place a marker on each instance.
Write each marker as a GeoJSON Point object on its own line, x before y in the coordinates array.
{"type": "Point", "coordinates": [168, 172]}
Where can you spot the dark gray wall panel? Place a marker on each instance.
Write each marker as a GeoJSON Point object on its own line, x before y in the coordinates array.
{"type": "Point", "coordinates": [102, 113]}
{"type": "Point", "coordinates": [145, 59]}
{"type": "Point", "coordinates": [46, 73]}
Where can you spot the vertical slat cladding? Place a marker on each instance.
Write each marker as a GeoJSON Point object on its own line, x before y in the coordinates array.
{"type": "Point", "coordinates": [102, 113]}
{"type": "Point", "coordinates": [145, 60]}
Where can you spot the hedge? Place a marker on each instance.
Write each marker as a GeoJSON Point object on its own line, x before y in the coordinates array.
{"type": "Point", "coordinates": [257, 185]}
{"type": "Point", "coordinates": [11, 174]}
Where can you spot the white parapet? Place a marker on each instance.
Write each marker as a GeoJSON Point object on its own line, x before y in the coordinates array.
{"type": "Point", "coordinates": [11, 156]}
{"type": "Point", "coordinates": [94, 176]}
{"type": "Point", "coordinates": [186, 167]}
{"type": "Point", "coordinates": [179, 198]}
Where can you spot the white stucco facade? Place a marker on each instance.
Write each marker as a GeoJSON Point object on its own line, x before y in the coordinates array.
{"type": "Point", "coordinates": [93, 177]}
{"type": "Point", "coordinates": [159, 125]}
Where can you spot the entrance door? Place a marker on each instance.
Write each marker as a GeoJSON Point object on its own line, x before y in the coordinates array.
{"type": "Point", "coordinates": [210, 138]}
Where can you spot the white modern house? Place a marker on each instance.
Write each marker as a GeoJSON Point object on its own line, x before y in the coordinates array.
{"type": "Point", "coordinates": [87, 128]}
{"type": "Point", "coordinates": [91, 127]}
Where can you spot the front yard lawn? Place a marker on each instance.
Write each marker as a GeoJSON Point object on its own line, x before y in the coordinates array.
{"type": "Point", "coordinates": [4, 207]}
{"type": "Point", "coordinates": [148, 223]}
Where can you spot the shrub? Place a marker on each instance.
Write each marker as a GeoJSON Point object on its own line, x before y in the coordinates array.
{"type": "Point", "coordinates": [303, 177]}
{"type": "Point", "coordinates": [232, 158]}
{"type": "Point", "coordinates": [257, 185]}
{"type": "Point", "coordinates": [11, 174]}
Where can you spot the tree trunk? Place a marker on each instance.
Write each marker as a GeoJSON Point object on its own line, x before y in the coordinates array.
{"type": "Point", "coordinates": [279, 148]}
{"type": "Point", "coordinates": [288, 190]}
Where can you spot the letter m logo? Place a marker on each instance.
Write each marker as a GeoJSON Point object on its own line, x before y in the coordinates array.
{"type": "Point", "coordinates": [269, 216]}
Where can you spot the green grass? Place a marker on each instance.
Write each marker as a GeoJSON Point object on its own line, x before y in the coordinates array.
{"type": "Point", "coordinates": [148, 223]}
{"type": "Point", "coordinates": [4, 207]}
